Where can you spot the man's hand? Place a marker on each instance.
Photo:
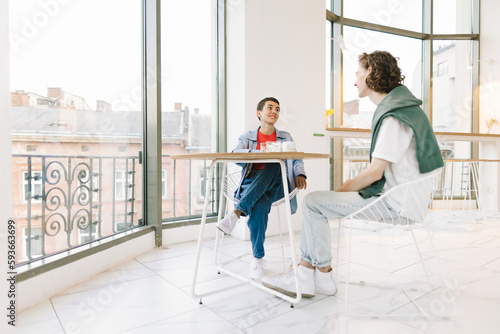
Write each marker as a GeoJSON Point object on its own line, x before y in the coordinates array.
{"type": "Point", "coordinates": [345, 186]}
{"type": "Point", "coordinates": [300, 182]}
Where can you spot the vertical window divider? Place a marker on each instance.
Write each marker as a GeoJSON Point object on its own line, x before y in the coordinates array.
{"type": "Point", "coordinates": [151, 84]}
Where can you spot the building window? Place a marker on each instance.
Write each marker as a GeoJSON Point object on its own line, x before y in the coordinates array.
{"type": "Point", "coordinates": [122, 184]}
{"type": "Point", "coordinates": [164, 188]}
{"type": "Point", "coordinates": [87, 234]}
{"type": "Point", "coordinates": [36, 187]}
{"type": "Point", "coordinates": [34, 240]}
{"type": "Point", "coordinates": [442, 68]}
{"type": "Point", "coordinates": [202, 185]}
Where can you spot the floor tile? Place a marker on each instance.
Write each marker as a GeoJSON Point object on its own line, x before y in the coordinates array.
{"type": "Point", "coordinates": [203, 321]}
{"type": "Point", "coordinates": [39, 319]}
{"type": "Point", "coordinates": [129, 271]}
{"type": "Point", "coordinates": [474, 315]}
{"type": "Point", "coordinates": [115, 308]}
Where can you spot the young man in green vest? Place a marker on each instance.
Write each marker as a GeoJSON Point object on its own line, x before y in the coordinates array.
{"type": "Point", "coordinates": [403, 149]}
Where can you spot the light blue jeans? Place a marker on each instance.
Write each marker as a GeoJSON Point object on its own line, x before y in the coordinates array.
{"type": "Point", "coordinates": [317, 208]}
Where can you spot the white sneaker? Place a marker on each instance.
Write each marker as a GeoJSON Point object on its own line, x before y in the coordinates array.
{"type": "Point", "coordinates": [324, 283]}
{"type": "Point", "coordinates": [227, 223]}
{"type": "Point", "coordinates": [257, 268]}
{"type": "Point", "coordinates": [286, 283]}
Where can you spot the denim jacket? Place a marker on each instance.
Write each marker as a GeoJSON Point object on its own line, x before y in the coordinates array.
{"type": "Point", "coordinates": [248, 143]}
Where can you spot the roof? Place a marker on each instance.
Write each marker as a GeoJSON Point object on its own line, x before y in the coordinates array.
{"type": "Point", "coordinates": [85, 123]}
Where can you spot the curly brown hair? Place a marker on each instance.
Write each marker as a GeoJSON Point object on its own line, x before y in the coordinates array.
{"type": "Point", "coordinates": [385, 75]}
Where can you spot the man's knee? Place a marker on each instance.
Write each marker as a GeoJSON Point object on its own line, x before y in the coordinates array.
{"type": "Point", "coordinates": [311, 199]}
{"type": "Point", "coordinates": [272, 167]}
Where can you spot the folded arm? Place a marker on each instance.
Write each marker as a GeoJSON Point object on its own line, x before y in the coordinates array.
{"type": "Point", "coordinates": [369, 175]}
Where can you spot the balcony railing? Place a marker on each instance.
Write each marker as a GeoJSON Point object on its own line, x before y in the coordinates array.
{"type": "Point", "coordinates": [67, 201]}
{"type": "Point", "coordinates": [62, 202]}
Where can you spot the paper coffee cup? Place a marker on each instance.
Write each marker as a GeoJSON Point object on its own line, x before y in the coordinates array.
{"type": "Point", "coordinates": [288, 146]}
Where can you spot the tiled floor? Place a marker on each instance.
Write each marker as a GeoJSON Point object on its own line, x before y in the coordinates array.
{"type": "Point", "coordinates": [151, 294]}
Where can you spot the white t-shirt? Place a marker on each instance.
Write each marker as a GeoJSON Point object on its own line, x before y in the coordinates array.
{"type": "Point", "coordinates": [396, 144]}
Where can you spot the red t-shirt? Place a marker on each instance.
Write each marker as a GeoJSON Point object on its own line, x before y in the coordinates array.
{"type": "Point", "coordinates": [262, 138]}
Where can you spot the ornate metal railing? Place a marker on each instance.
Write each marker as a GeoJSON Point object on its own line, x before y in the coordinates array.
{"type": "Point", "coordinates": [66, 199]}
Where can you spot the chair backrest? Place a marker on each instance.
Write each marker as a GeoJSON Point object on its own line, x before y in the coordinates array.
{"type": "Point", "coordinates": [231, 183]}
{"type": "Point", "coordinates": [405, 203]}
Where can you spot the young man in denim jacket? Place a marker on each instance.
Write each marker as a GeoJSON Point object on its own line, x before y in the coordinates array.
{"type": "Point", "coordinates": [261, 184]}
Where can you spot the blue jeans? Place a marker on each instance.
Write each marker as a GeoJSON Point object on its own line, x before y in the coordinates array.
{"type": "Point", "coordinates": [259, 190]}
{"type": "Point", "coordinates": [317, 208]}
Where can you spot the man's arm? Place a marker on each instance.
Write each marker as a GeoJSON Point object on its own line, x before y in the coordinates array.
{"type": "Point", "coordinates": [369, 175]}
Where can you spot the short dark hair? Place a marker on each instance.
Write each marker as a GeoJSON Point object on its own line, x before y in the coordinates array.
{"type": "Point", "coordinates": [262, 103]}
{"type": "Point", "coordinates": [385, 75]}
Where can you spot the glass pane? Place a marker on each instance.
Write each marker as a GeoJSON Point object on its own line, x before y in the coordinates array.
{"type": "Point", "coordinates": [452, 17]}
{"type": "Point", "coordinates": [75, 70]}
{"type": "Point", "coordinates": [328, 4]}
{"type": "Point", "coordinates": [358, 112]}
{"type": "Point", "coordinates": [188, 101]}
{"type": "Point", "coordinates": [452, 86]}
{"type": "Point", "coordinates": [452, 93]}
{"type": "Point", "coordinates": [398, 14]}
{"type": "Point", "coordinates": [329, 76]}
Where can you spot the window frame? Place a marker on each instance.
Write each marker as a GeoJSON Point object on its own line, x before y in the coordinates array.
{"type": "Point", "coordinates": [335, 16]}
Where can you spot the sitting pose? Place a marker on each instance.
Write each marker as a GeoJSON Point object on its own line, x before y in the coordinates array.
{"type": "Point", "coordinates": [403, 148]}
{"type": "Point", "coordinates": [261, 184]}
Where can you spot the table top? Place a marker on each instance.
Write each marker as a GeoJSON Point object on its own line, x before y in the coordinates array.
{"type": "Point", "coordinates": [251, 156]}
{"type": "Point", "coordinates": [471, 160]}
{"type": "Point", "coordinates": [341, 132]}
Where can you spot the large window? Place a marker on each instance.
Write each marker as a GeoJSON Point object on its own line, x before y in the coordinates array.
{"type": "Point", "coordinates": [189, 106]}
{"type": "Point", "coordinates": [76, 88]}
{"type": "Point", "coordinates": [358, 112]}
{"type": "Point", "coordinates": [399, 14]}
{"type": "Point", "coordinates": [438, 61]}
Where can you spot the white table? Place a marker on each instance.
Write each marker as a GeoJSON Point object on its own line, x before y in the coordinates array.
{"type": "Point", "coordinates": [490, 143]}
{"type": "Point", "coordinates": [278, 157]}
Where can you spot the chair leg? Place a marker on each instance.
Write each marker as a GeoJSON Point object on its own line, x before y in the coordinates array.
{"type": "Point", "coordinates": [281, 239]}
{"type": "Point", "coordinates": [447, 284]}
{"type": "Point", "coordinates": [338, 248]}
{"type": "Point", "coordinates": [420, 255]}
{"type": "Point", "coordinates": [348, 268]}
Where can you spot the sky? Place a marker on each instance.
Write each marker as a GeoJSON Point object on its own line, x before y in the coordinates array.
{"type": "Point", "coordinates": [93, 49]}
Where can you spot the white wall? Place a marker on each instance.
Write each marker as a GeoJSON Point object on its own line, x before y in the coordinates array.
{"type": "Point", "coordinates": [490, 73]}
{"type": "Point", "coordinates": [489, 90]}
{"type": "Point", "coordinates": [5, 152]}
{"type": "Point", "coordinates": [277, 48]}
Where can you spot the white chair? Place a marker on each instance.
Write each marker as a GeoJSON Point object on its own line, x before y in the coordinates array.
{"type": "Point", "coordinates": [414, 199]}
{"type": "Point", "coordinates": [230, 184]}
{"type": "Point", "coordinates": [464, 179]}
